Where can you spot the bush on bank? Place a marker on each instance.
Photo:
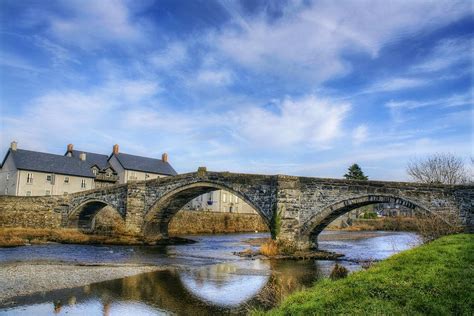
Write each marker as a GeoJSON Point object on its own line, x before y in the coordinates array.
{"type": "Point", "coordinates": [434, 279]}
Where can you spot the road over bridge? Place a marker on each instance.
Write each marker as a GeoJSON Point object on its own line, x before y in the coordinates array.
{"type": "Point", "coordinates": [295, 208]}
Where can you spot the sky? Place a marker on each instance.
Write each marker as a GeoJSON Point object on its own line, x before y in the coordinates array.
{"type": "Point", "coordinates": [271, 87]}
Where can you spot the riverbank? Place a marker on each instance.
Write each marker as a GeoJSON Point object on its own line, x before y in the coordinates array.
{"type": "Point", "coordinates": [202, 222]}
{"type": "Point", "coordinates": [19, 279]}
{"type": "Point", "coordinates": [383, 223]}
{"type": "Point", "coordinates": [14, 237]}
{"type": "Point", "coordinates": [433, 279]}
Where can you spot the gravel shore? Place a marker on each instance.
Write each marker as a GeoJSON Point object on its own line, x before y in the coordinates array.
{"type": "Point", "coordinates": [18, 279]}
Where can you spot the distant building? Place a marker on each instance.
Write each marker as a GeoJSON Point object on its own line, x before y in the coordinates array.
{"type": "Point", "coordinates": [136, 168]}
{"type": "Point", "coordinates": [219, 201]}
{"type": "Point", "coordinates": [32, 173]}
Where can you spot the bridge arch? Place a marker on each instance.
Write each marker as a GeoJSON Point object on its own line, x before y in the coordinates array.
{"type": "Point", "coordinates": [83, 216]}
{"type": "Point", "coordinates": [318, 222]}
{"type": "Point", "coordinates": [161, 212]}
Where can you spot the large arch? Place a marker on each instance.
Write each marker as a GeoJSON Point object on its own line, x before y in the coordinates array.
{"type": "Point", "coordinates": [162, 211]}
{"type": "Point", "coordinates": [318, 222]}
{"type": "Point", "coordinates": [82, 217]}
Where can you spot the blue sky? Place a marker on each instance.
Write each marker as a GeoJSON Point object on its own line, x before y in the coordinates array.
{"type": "Point", "coordinates": [290, 87]}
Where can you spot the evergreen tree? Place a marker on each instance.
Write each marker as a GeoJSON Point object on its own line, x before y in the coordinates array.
{"type": "Point", "coordinates": [355, 173]}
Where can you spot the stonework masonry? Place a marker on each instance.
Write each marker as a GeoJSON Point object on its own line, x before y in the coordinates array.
{"type": "Point", "coordinates": [296, 208]}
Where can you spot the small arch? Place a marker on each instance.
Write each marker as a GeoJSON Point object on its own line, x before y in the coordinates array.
{"type": "Point", "coordinates": [322, 219]}
{"type": "Point", "coordinates": [162, 211]}
{"type": "Point", "coordinates": [83, 216]}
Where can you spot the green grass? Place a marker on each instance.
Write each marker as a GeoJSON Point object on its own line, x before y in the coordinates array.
{"type": "Point", "coordinates": [433, 279]}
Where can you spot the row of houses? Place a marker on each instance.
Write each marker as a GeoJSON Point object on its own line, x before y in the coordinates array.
{"type": "Point", "coordinates": [32, 173]}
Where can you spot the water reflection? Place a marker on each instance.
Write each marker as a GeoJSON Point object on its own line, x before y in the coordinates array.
{"type": "Point", "coordinates": [239, 281]}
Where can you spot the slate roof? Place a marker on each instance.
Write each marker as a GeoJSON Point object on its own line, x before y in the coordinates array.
{"type": "Point", "coordinates": [145, 164]}
{"type": "Point", "coordinates": [98, 160]}
{"type": "Point", "coordinates": [43, 162]}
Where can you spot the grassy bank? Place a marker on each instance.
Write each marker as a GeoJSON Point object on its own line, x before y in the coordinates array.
{"type": "Point", "coordinates": [433, 279]}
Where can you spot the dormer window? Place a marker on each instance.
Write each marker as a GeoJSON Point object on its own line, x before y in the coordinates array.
{"type": "Point", "coordinates": [94, 171]}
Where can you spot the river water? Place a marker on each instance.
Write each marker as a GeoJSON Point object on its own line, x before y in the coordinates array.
{"type": "Point", "coordinates": [204, 278]}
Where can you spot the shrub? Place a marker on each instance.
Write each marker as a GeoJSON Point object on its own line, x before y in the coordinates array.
{"type": "Point", "coordinates": [338, 272]}
{"type": "Point", "coordinates": [431, 226]}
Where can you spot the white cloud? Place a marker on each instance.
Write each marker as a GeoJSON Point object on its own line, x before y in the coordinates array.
{"type": "Point", "coordinates": [360, 134]}
{"type": "Point", "coordinates": [14, 61]}
{"type": "Point", "coordinates": [447, 53]}
{"type": "Point", "coordinates": [211, 77]}
{"type": "Point", "coordinates": [308, 121]}
{"type": "Point", "coordinates": [396, 84]}
{"type": "Point", "coordinates": [90, 24]}
{"type": "Point", "coordinates": [310, 39]}
{"type": "Point", "coordinates": [175, 54]}
{"type": "Point", "coordinates": [451, 101]}
{"type": "Point", "coordinates": [59, 54]}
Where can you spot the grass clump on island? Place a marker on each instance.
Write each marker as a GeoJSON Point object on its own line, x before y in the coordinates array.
{"type": "Point", "coordinates": [434, 279]}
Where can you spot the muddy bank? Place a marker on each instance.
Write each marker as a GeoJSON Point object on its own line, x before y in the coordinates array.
{"type": "Point", "coordinates": [19, 279]}
{"type": "Point", "coordinates": [14, 237]}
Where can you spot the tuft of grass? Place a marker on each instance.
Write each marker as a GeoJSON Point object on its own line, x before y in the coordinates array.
{"type": "Point", "coordinates": [434, 279]}
{"type": "Point", "coordinates": [338, 272]}
{"type": "Point", "coordinates": [269, 248]}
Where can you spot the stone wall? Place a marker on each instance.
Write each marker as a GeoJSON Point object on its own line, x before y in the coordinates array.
{"type": "Point", "coordinates": [193, 222]}
{"type": "Point", "coordinates": [34, 212]}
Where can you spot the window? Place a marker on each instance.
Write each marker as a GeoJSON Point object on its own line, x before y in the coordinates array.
{"type": "Point", "coordinates": [8, 175]}
{"type": "Point", "coordinates": [28, 193]}
{"type": "Point", "coordinates": [65, 193]}
{"type": "Point", "coordinates": [83, 183]}
{"type": "Point", "coordinates": [29, 178]}
{"type": "Point", "coordinates": [48, 192]}
{"type": "Point", "coordinates": [6, 191]}
{"type": "Point", "coordinates": [236, 199]}
{"type": "Point", "coordinates": [210, 196]}
{"type": "Point", "coordinates": [48, 177]}
{"type": "Point", "coordinates": [66, 180]}
{"type": "Point", "coordinates": [147, 175]}
{"type": "Point", "coordinates": [224, 197]}
{"type": "Point", "coordinates": [132, 176]}
{"type": "Point", "coordinates": [94, 171]}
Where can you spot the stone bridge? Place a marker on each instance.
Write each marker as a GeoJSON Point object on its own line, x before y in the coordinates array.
{"type": "Point", "coordinates": [294, 208]}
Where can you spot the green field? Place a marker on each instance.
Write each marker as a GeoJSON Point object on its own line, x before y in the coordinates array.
{"type": "Point", "coordinates": [433, 279]}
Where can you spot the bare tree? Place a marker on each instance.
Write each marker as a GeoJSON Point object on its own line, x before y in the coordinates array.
{"type": "Point", "coordinates": [439, 168]}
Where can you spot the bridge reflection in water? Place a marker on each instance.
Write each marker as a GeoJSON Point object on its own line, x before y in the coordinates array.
{"type": "Point", "coordinates": [231, 287]}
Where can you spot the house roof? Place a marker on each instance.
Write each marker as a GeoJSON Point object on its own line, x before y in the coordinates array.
{"type": "Point", "coordinates": [94, 159]}
{"type": "Point", "coordinates": [144, 164]}
{"type": "Point", "coordinates": [44, 162]}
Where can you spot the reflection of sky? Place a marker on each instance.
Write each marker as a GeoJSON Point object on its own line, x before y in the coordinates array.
{"type": "Point", "coordinates": [91, 307]}
{"type": "Point", "coordinates": [376, 248]}
{"type": "Point", "coordinates": [227, 284]}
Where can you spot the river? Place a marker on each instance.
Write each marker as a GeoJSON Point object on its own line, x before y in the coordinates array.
{"type": "Point", "coordinates": [204, 278]}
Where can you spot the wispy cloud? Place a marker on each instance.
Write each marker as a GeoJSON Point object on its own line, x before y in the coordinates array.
{"type": "Point", "coordinates": [448, 53]}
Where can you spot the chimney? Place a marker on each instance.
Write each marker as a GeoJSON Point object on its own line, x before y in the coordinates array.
{"type": "Point", "coordinates": [69, 150]}
{"type": "Point", "coordinates": [164, 157]}
{"type": "Point", "coordinates": [13, 145]}
{"type": "Point", "coordinates": [82, 156]}
{"type": "Point", "coordinates": [115, 149]}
